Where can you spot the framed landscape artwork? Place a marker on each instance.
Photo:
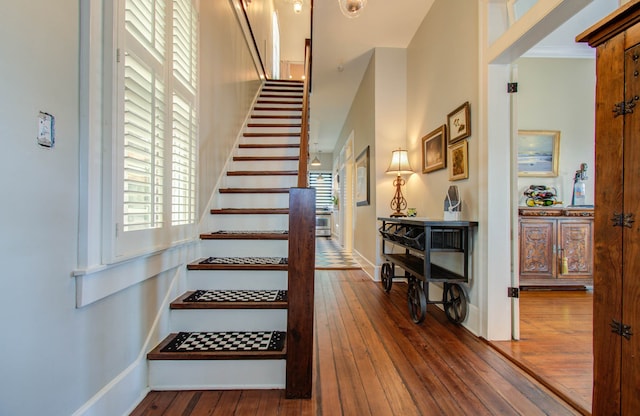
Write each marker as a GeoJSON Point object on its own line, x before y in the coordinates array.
{"type": "Point", "coordinates": [362, 178]}
{"type": "Point", "coordinates": [434, 150]}
{"type": "Point", "coordinates": [538, 152]}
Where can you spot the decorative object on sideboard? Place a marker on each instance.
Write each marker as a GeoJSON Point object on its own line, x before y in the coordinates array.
{"type": "Point", "coordinates": [541, 196]}
{"type": "Point", "coordinates": [399, 166]}
{"type": "Point", "coordinates": [579, 188]}
{"type": "Point", "coordinates": [452, 204]}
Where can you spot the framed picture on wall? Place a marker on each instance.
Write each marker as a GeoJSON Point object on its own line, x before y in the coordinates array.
{"type": "Point", "coordinates": [362, 178]}
{"type": "Point", "coordinates": [459, 123]}
{"type": "Point", "coordinates": [434, 150]}
{"type": "Point", "coordinates": [538, 152]}
{"type": "Point", "coordinates": [458, 161]}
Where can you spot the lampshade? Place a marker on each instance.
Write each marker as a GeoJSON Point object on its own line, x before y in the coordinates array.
{"type": "Point", "coordinates": [352, 8]}
{"type": "Point", "coordinates": [316, 162]}
{"type": "Point", "coordinates": [297, 6]}
{"type": "Point", "coordinates": [399, 163]}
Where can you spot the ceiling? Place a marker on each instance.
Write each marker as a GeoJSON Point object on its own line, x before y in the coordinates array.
{"type": "Point", "coordinates": [342, 48]}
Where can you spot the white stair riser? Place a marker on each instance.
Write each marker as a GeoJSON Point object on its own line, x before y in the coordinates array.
{"type": "Point", "coordinates": [271, 140]}
{"type": "Point", "coordinates": [268, 151]}
{"type": "Point", "coordinates": [216, 374]}
{"type": "Point", "coordinates": [267, 111]}
{"type": "Point", "coordinates": [264, 165]}
{"type": "Point", "coordinates": [253, 201]}
{"type": "Point", "coordinates": [245, 248]}
{"type": "Point", "coordinates": [272, 129]}
{"type": "Point", "coordinates": [216, 320]}
{"type": "Point", "coordinates": [237, 279]}
{"type": "Point", "coordinates": [248, 222]}
{"type": "Point", "coordinates": [274, 181]}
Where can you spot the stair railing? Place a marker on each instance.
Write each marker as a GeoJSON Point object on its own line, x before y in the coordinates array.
{"type": "Point", "coordinates": [303, 163]}
{"type": "Point", "coordinates": [301, 267]}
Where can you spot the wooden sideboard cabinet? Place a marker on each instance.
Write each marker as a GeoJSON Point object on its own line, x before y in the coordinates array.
{"type": "Point", "coordinates": [556, 246]}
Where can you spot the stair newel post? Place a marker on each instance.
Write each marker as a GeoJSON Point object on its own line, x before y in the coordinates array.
{"type": "Point", "coordinates": [301, 268]}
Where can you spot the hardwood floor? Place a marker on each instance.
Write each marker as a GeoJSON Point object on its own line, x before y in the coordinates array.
{"type": "Point", "coordinates": [556, 343]}
{"type": "Point", "coordinates": [371, 359]}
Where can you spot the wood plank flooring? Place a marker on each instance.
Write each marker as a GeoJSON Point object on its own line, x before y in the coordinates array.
{"type": "Point", "coordinates": [556, 342]}
{"type": "Point", "coordinates": [371, 359]}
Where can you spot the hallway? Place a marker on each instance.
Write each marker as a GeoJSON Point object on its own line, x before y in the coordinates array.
{"type": "Point", "coordinates": [370, 359]}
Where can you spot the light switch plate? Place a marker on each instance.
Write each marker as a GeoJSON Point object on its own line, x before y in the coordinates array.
{"type": "Point", "coordinates": [46, 129]}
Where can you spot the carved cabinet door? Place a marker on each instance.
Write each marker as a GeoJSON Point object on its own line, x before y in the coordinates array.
{"type": "Point", "coordinates": [537, 248]}
{"type": "Point", "coordinates": [575, 241]}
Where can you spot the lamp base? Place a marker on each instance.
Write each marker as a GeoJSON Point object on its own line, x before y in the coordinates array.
{"type": "Point", "coordinates": [398, 214]}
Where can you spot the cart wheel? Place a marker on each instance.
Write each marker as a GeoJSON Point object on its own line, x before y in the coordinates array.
{"type": "Point", "coordinates": [455, 301]}
{"type": "Point", "coordinates": [417, 301]}
{"type": "Point", "coordinates": [386, 274]}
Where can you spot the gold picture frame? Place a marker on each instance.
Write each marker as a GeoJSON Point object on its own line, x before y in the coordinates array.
{"type": "Point", "coordinates": [538, 152]}
{"type": "Point", "coordinates": [459, 161]}
{"type": "Point", "coordinates": [434, 150]}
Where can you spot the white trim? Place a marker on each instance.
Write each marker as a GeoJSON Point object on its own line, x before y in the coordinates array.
{"type": "Point", "coordinates": [99, 282]}
{"type": "Point", "coordinates": [121, 390]}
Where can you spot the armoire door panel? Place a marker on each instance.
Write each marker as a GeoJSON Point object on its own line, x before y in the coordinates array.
{"type": "Point", "coordinates": [631, 239]}
{"type": "Point", "coordinates": [607, 278]}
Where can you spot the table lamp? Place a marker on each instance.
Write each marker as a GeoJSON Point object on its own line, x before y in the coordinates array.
{"type": "Point", "coordinates": [399, 166]}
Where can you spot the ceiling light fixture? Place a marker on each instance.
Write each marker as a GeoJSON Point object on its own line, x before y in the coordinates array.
{"type": "Point", "coordinates": [352, 8]}
{"type": "Point", "coordinates": [297, 6]}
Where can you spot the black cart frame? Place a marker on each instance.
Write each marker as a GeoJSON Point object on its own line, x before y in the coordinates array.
{"type": "Point", "coordinates": [419, 238]}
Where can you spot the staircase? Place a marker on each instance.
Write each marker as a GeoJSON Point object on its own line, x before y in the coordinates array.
{"type": "Point", "coordinates": [230, 327]}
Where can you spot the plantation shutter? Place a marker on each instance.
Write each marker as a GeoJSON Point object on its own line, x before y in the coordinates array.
{"type": "Point", "coordinates": [183, 184]}
{"type": "Point", "coordinates": [144, 115]}
{"type": "Point", "coordinates": [323, 183]}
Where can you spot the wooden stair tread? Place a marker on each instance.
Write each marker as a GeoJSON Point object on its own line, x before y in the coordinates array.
{"type": "Point", "coordinates": [245, 235]}
{"type": "Point", "coordinates": [158, 354]}
{"type": "Point", "coordinates": [276, 117]}
{"type": "Point", "coordinates": [250, 211]}
{"type": "Point", "coordinates": [254, 190]}
{"type": "Point", "coordinates": [296, 102]}
{"type": "Point", "coordinates": [247, 265]}
{"type": "Point", "coordinates": [277, 108]}
{"type": "Point", "coordinates": [247, 134]}
{"type": "Point", "coordinates": [270, 94]}
{"type": "Point", "coordinates": [269, 125]}
{"type": "Point", "coordinates": [262, 173]}
{"type": "Point", "coordinates": [269, 146]}
{"type": "Point", "coordinates": [264, 158]}
{"type": "Point", "coordinates": [232, 299]}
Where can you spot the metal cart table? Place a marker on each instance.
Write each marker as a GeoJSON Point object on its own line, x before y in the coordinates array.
{"type": "Point", "coordinates": [417, 238]}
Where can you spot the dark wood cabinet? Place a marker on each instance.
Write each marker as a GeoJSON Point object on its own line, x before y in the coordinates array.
{"type": "Point", "coordinates": [616, 305]}
{"type": "Point", "coordinates": [556, 247]}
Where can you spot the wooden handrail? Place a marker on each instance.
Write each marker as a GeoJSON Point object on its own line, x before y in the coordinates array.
{"type": "Point", "coordinates": [303, 163]}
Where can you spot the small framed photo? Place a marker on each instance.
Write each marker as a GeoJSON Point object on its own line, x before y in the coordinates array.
{"type": "Point", "coordinates": [459, 123]}
{"type": "Point", "coordinates": [434, 150]}
{"type": "Point", "coordinates": [538, 152]}
{"type": "Point", "coordinates": [362, 178]}
{"type": "Point", "coordinates": [458, 161]}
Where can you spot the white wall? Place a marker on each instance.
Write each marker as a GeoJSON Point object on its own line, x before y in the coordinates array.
{"type": "Point", "coordinates": [442, 74]}
{"type": "Point", "coordinates": [89, 360]}
{"type": "Point", "coordinates": [559, 94]}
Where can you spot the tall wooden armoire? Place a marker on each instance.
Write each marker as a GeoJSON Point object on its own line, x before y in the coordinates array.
{"type": "Point", "coordinates": [616, 306]}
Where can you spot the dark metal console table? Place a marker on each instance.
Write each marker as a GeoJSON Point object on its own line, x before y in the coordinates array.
{"type": "Point", "coordinates": [418, 238]}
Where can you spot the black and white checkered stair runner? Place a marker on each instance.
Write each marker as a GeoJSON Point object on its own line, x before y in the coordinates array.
{"type": "Point", "coordinates": [237, 296]}
{"type": "Point", "coordinates": [227, 341]}
{"type": "Point", "coordinates": [245, 260]}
